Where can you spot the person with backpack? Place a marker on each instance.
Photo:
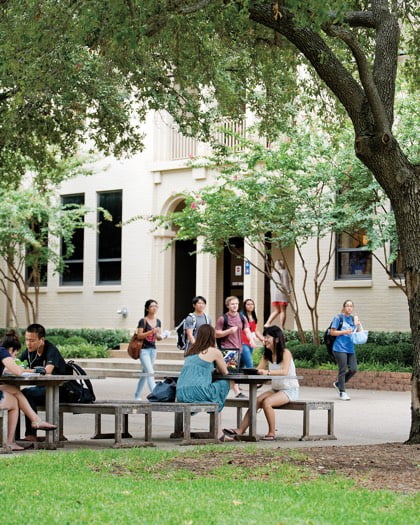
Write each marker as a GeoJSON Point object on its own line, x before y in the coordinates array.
{"type": "Point", "coordinates": [342, 326]}
{"type": "Point", "coordinates": [194, 320]}
{"type": "Point", "coordinates": [229, 329]}
{"type": "Point", "coordinates": [39, 352]}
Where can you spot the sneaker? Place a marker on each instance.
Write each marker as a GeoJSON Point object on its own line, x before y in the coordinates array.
{"type": "Point", "coordinates": [240, 396]}
{"type": "Point", "coordinates": [344, 396]}
{"type": "Point", "coordinates": [137, 398]}
{"type": "Point", "coordinates": [335, 385]}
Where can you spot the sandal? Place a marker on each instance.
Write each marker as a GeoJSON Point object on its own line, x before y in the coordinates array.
{"type": "Point", "coordinates": [14, 447]}
{"type": "Point", "coordinates": [268, 437]}
{"type": "Point", "coordinates": [43, 425]}
{"type": "Point", "coordinates": [230, 432]}
{"type": "Point", "coordinates": [226, 439]}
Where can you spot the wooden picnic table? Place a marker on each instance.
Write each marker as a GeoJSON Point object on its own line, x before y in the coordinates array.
{"type": "Point", "coordinates": [52, 398]}
{"type": "Point", "coordinates": [252, 380]}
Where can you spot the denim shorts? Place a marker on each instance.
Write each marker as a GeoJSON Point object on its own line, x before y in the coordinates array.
{"type": "Point", "coordinates": [291, 393]}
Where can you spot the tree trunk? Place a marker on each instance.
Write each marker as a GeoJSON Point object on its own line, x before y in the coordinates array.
{"type": "Point", "coordinates": [401, 182]}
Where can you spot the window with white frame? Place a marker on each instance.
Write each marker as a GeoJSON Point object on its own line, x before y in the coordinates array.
{"type": "Point", "coordinates": [353, 259]}
{"type": "Point", "coordinates": [109, 238]}
{"type": "Point", "coordinates": [72, 274]}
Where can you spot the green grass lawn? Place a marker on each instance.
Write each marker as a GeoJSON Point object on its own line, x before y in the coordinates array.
{"type": "Point", "coordinates": [153, 486]}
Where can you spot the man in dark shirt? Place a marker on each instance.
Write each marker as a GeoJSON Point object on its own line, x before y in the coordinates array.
{"type": "Point", "coordinates": [39, 352]}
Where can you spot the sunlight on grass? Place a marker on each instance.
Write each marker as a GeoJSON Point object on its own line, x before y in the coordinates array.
{"type": "Point", "coordinates": [210, 485]}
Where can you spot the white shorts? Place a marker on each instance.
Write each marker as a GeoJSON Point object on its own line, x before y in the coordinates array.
{"type": "Point", "coordinates": [291, 393]}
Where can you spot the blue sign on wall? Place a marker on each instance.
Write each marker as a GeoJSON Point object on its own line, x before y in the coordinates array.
{"type": "Point", "coordinates": [247, 267]}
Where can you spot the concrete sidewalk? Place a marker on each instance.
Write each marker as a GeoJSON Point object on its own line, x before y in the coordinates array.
{"type": "Point", "coordinates": [371, 417]}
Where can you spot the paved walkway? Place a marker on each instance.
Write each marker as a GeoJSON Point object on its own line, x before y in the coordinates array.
{"type": "Point", "coordinates": [371, 417]}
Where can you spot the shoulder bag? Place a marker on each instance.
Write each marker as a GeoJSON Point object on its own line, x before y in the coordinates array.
{"type": "Point", "coordinates": [136, 344]}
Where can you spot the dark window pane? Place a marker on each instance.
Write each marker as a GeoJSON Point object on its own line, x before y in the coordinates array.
{"type": "Point", "coordinates": [109, 238]}
{"type": "Point", "coordinates": [109, 272]}
{"type": "Point", "coordinates": [73, 271]}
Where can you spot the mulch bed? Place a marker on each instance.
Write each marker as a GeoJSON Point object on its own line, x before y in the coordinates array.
{"type": "Point", "coordinates": [391, 466]}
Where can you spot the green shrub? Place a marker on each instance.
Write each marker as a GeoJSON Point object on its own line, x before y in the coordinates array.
{"type": "Point", "coordinates": [85, 350]}
{"type": "Point", "coordinates": [57, 339]}
{"type": "Point", "coordinates": [256, 355]}
{"type": "Point", "coordinates": [96, 336]}
{"type": "Point", "coordinates": [305, 351]}
{"type": "Point", "coordinates": [75, 340]}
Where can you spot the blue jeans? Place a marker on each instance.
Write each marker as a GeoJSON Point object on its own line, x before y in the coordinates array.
{"type": "Point", "coordinates": [246, 357]}
{"type": "Point", "coordinates": [347, 367]}
{"type": "Point", "coordinates": [147, 358]}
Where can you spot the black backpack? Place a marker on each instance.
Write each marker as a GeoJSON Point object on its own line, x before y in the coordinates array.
{"type": "Point", "coordinates": [74, 391]}
{"type": "Point", "coordinates": [219, 340]}
{"type": "Point", "coordinates": [329, 339]}
{"type": "Point", "coordinates": [181, 334]}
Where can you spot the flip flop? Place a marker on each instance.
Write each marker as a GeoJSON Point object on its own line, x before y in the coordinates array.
{"type": "Point", "coordinates": [226, 439]}
{"type": "Point", "coordinates": [17, 448]}
{"type": "Point", "coordinates": [268, 438]}
{"type": "Point", "coordinates": [230, 432]}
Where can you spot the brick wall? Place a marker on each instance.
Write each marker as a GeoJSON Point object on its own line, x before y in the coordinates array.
{"type": "Point", "coordinates": [397, 381]}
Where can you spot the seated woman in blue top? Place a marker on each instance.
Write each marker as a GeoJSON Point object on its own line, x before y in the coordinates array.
{"type": "Point", "coordinates": [11, 397]}
{"type": "Point", "coordinates": [195, 383]}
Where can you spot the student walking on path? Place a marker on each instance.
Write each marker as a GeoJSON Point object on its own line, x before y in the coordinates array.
{"type": "Point", "coordinates": [229, 329]}
{"type": "Point", "coordinates": [148, 329]}
{"type": "Point", "coordinates": [342, 326]}
{"type": "Point", "coordinates": [279, 293]}
{"type": "Point", "coordinates": [248, 311]}
{"type": "Point", "coordinates": [195, 319]}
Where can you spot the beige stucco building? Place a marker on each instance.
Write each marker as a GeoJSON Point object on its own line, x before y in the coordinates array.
{"type": "Point", "coordinates": [114, 272]}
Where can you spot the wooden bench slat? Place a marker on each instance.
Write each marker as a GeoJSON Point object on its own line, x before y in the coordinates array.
{"type": "Point", "coordinates": [121, 409]}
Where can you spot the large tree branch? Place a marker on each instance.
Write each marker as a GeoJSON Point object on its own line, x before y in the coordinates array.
{"type": "Point", "coordinates": [320, 55]}
{"type": "Point", "coordinates": [366, 78]}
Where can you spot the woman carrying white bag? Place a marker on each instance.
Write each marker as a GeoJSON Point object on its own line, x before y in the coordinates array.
{"type": "Point", "coordinates": [348, 331]}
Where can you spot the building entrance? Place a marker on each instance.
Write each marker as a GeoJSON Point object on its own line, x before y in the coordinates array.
{"type": "Point", "coordinates": [234, 269]}
{"type": "Point", "coordinates": [185, 278]}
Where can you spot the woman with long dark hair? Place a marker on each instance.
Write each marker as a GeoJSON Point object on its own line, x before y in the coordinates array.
{"type": "Point", "coordinates": [11, 397]}
{"type": "Point", "coordinates": [195, 383]}
{"type": "Point", "coordinates": [342, 326]}
{"type": "Point", "coordinates": [148, 329]}
{"type": "Point", "coordinates": [248, 310]}
{"type": "Point", "coordinates": [276, 361]}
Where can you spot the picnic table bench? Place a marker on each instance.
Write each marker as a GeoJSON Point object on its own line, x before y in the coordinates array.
{"type": "Point", "coordinates": [122, 409]}
{"type": "Point", "coordinates": [305, 406]}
